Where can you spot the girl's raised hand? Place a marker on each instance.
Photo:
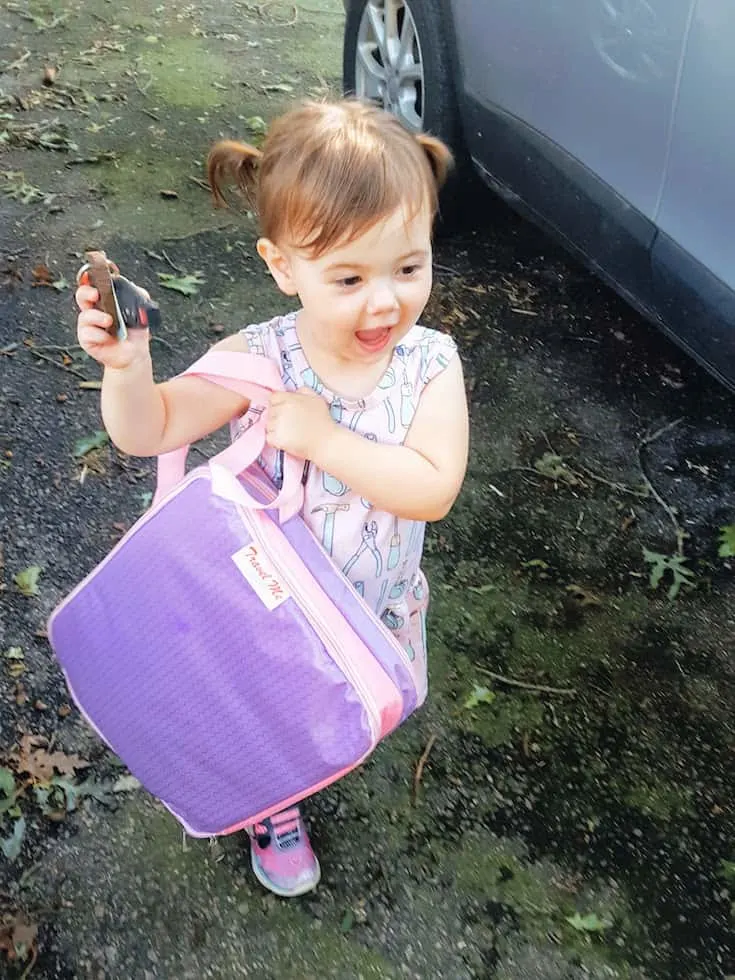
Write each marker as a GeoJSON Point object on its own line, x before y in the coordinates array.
{"type": "Point", "coordinates": [92, 327]}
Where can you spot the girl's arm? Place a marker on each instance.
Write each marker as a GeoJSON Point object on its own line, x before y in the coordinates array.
{"type": "Point", "coordinates": [146, 419]}
{"type": "Point", "coordinates": [418, 480]}
{"type": "Point", "coordinates": [143, 418]}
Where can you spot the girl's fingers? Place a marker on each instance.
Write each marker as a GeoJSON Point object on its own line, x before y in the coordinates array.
{"type": "Point", "coordinates": [91, 336]}
{"type": "Point", "coordinates": [95, 318]}
{"type": "Point", "coordinates": [86, 297]}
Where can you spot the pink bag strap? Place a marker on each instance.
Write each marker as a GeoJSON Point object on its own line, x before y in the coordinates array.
{"type": "Point", "coordinates": [253, 377]}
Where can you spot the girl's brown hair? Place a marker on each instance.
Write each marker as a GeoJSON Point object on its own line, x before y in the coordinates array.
{"type": "Point", "coordinates": [329, 171]}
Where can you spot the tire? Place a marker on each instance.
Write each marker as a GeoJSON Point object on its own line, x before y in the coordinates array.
{"type": "Point", "coordinates": [433, 96]}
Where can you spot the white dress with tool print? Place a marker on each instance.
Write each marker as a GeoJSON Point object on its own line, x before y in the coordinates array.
{"type": "Point", "coordinates": [379, 553]}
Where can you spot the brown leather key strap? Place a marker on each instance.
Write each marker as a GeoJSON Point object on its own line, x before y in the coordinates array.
{"type": "Point", "coordinates": [98, 274]}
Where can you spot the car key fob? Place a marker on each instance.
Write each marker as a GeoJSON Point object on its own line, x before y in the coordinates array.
{"type": "Point", "coordinates": [125, 302]}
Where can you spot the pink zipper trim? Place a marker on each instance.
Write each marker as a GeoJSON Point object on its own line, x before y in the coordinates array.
{"type": "Point", "coordinates": [289, 801]}
{"type": "Point", "coordinates": [350, 654]}
{"type": "Point", "coordinates": [260, 484]}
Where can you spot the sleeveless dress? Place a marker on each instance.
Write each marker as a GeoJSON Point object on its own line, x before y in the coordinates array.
{"type": "Point", "coordinates": [380, 554]}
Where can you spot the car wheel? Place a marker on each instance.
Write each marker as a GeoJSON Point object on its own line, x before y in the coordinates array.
{"type": "Point", "coordinates": [396, 55]}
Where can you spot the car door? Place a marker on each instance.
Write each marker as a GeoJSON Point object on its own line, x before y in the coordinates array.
{"type": "Point", "coordinates": [597, 77]}
{"type": "Point", "coordinates": [568, 105]}
{"type": "Point", "coordinates": [693, 258]}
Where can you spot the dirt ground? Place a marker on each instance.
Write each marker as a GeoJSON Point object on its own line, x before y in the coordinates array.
{"type": "Point", "coordinates": [574, 815]}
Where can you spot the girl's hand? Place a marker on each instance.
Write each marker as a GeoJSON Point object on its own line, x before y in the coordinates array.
{"type": "Point", "coordinates": [92, 327]}
{"type": "Point", "coordinates": [298, 422]}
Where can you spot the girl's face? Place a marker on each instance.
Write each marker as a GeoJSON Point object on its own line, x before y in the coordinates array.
{"type": "Point", "coordinates": [360, 299]}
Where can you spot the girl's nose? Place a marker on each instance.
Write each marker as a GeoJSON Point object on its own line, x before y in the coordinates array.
{"type": "Point", "coordinates": [382, 298]}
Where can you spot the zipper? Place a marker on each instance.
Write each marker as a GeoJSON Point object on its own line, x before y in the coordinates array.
{"type": "Point", "coordinates": [317, 622]}
{"type": "Point", "coordinates": [267, 490]}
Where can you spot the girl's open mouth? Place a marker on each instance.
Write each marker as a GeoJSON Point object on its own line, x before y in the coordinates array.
{"type": "Point", "coordinates": [373, 340]}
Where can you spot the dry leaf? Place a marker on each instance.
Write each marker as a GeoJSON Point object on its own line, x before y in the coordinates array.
{"type": "Point", "coordinates": [33, 758]}
{"type": "Point", "coordinates": [17, 937]}
{"type": "Point", "coordinates": [582, 596]}
{"type": "Point", "coordinates": [42, 276]}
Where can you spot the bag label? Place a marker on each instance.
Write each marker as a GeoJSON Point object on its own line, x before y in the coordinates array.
{"type": "Point", "coordinates": [261, 575]}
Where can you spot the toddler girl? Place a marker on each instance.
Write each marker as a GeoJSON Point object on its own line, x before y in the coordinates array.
{"type": "Point", "coordinates": [345, 197]}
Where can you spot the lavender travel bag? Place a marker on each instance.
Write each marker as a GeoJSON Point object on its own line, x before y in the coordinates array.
{"type": "Point", "coordinates": [217, 649]}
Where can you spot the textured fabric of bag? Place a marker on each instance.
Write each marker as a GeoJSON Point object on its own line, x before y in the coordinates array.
{"type": "Point", "coordinates": [219, 706]}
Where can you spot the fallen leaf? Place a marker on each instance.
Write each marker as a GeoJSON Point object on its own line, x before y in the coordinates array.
{"type": "Point", "coordinates": [33, 758]}
{"type": "Point", "coordinates": [168, 195]}
{"type": "Point", "coordinates": [586, 923]}
{"type": "Point", "coordinates": [125, 784]}
{"type": "Point", "coordinates": [85, 445]}
{"type": "Point", "coordinates": [582, 596]}
{"type": "Point", "coordinates": [7, 781]}
{"type": "Point", "coordinates": [13, 653]}
{"type": "Point", "coordinates": [479, 695]}
{"type": "Point", "coordinates": [42, 276]}
{"type": "Point", "coordinates": [11, 846]}
{"type": "Point", "coordinates": [278, 87]}
{"type": "Point", "coordinates": [727, 541]}
{"type": "Point", "coordinates": [187, 285]}
{"type": "Point", "coordinates": [49, 75]}
{"type": "Point", "coordinates": [18, 938]}
{"type": "Point", "coordinates": [27, 580]}
{"type": "Point", "coordinates": [64, 711]}
{"type": "Point", "coordinates": [257, 125]}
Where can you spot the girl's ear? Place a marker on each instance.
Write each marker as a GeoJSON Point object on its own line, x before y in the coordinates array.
{"type": "Point", "coordinates": [438, 154]}
{"type": "Point", "coordinates": [278, 264]}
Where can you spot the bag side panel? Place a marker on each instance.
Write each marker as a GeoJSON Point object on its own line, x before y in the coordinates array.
{"type": "Point", "coordinates": [219, 706]}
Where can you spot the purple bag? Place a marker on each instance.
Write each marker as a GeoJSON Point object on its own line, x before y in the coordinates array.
{"type": "Point", "coordinates": [217, 649]}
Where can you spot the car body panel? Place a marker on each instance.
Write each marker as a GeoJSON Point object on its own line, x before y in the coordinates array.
{"type": "Point", "coordinates": [597, 77]}
{"type": "Point", "coordinates": [698, 204]}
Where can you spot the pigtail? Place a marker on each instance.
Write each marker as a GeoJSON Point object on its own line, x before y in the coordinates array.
{"type": "Point", "coordinates": [232, 162]}
{"type": "Point", "coordinates": [438, 155]}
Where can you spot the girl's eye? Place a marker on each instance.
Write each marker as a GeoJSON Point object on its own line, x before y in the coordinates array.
{"type": "Point", "coordinates": [408, 270]}
{"type": "Point", "coordinates": [348, 281]}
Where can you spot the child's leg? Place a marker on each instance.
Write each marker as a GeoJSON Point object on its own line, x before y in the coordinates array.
{"type": "Point", "coordinates": [281, 854]}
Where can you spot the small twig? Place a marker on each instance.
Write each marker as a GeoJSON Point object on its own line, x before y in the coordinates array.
{"type": "Point", "coordinates": [199, 231]}
{"type": "Point", "coordinates": [647, 440]}
{"type": "Point", "coordinates": [199, 182]}
{"type": "Point", "coordinates": [678, 529]}
{"type": "Point", "coordinates": [159, 340]}
{"type": "Point", "coordinates": [420, 767]}
{"type": "Point", "coordinates": [620, 487]}
{"type": "Point", "coordinates": [34, 956]}
{"type": "Point", "coordinates": [143, 91]}
{"type": "Point", "coordinates": [64, 348]}
{"type": "Point", "coordinates": [176, 268]}
{"type": "Point", "coordinates": [9, 350]}
{"type": "Point", "coordinates": [512, 682]}
{"type": "Point", "coordinates": [63, 367]}
{"type": "Point", "coordinates": [15, 64]}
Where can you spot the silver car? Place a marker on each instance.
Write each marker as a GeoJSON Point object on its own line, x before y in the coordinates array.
{"type": "Point", "coordinates": [608, 122]}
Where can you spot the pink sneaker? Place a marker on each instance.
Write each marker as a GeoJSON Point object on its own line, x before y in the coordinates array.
{"type": "Point", "coordinates": [281, 855]}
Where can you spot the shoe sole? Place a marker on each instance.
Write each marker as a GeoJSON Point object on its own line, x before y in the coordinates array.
{"type": "Point", "coordinates": [282, 892]}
